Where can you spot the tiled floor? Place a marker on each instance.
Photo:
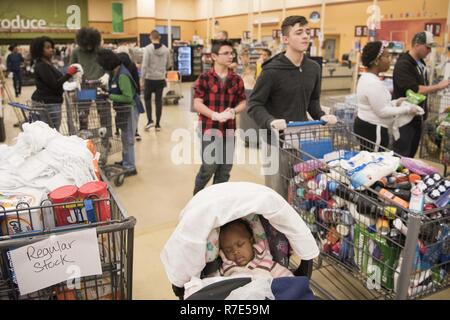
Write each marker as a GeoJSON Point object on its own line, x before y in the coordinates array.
{"type": "Point", "coordinates": [158, 193]}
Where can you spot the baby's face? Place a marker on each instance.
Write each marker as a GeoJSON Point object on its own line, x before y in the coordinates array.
{"type": "Point", "coordinates": [237, 245]}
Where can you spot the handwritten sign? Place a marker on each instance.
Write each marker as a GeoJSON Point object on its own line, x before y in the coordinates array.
{"type": "Point", "coordinates": [51, 261]}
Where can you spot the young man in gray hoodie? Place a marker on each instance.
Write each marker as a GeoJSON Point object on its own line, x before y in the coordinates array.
{"type": "Point", "coordinates": [288, 88]}
{"type": "Point", "coordinates": [289, 85]}
{"type": "Point", "coordinates": [153, 72]}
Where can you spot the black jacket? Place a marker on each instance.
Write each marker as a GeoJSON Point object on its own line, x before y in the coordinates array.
{"type": "Point", "coordinates": [284, 91]}
{"type": "Point", "coordinates": [13, 62]}
{"type": "Point", "coordinates": [49, 83]}
{"type": "Point", "coordinates": [407, 76]}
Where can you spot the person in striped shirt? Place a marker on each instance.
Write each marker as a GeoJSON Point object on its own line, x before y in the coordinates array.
{"type": "Point", "coordinates": [242, 255]}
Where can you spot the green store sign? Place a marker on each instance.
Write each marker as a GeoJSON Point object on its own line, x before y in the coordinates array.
{"type": "Point", "coordinates": [20, 19]}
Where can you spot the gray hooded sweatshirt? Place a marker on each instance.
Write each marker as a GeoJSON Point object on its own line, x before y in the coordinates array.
{"type": "Point", "coordinates": [155, 62]}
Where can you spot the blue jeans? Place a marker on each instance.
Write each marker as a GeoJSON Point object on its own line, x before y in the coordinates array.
{"type": "Point", "coordinates": [128, 139]}
{"type": "Point", "coordinates": [52, 115]}
{"type": "Point", "coordinates": [217, 161]}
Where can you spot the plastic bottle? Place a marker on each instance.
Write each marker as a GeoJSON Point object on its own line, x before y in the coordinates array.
{"type": "Point", "coordinates": [366, 207]}
{"type": "Point", "coordinates": [389, 195]}
{"type": "Point", "coordinates": [417, 200]}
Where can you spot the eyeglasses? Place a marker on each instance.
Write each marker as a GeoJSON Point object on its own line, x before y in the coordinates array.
{"type": "Point", "coordinates": [229, 53]}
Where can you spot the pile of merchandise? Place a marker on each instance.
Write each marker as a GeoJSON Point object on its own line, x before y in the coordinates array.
{"type": "Point", "coordinates": [44, 167]}
{"type": "Point", "coordinates": [357, 204]}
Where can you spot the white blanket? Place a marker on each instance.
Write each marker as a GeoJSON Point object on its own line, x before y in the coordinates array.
{"type": "Point", "coordinates": [184, 254]}
{"type": "Point", "coordinates": [44, 159]}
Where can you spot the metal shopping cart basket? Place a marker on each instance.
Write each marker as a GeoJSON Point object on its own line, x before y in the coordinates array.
{"type": "Point", "coordinates": [344, 107]}
{"type": "Point", "coordinates": [173, 79]}
{"type": "Point", "coordinates": [22, 226]}
{"type": "Point", "coordinates": [89, 116]}
{"type": "Point", "coordinates": [435, 142]}
{"type": "Point", "coordinates": [371, 247]}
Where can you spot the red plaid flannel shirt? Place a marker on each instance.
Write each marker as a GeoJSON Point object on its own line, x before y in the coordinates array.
{"type": "Point", "coordinates": [219, 96]}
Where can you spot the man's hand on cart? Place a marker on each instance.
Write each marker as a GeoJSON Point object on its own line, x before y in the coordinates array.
{"type": "Point", "coordinates": [278, 124]}
{"type": "Point", "coordinates": [104, 80]}
{"type": "Point", "coordinates": [329, 119]}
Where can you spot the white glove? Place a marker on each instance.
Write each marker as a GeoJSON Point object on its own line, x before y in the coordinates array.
{"type": "Point", "coordinates": [278, 124]}
{"type": "Point", "coordinates": [104, 79]}
{"type": "Point", "coordinates": [232, 113]}
{"type": "Point", "coordinates": [399, 101]}
{"type": "Point", "coordinates": [414, 109]}
{"type": "Point", "coordinates": [222, 117]}
{"type": "Point", "coordinates": [329, 119]}
{"type": "Point", "coordinates": [79, 67]}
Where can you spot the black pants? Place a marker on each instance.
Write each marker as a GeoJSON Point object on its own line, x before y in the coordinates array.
{"type": "Point", "coordinates": [373, 135]}
{"type": "Point", "coordinates": [156, 86]}
{"type": "Point", "coordinates": [17, 81]}
{"type": "Point", "coordinates": [408, 143]}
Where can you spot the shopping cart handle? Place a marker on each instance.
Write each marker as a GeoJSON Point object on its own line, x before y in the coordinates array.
{"type": "Point", "coordinates": [305, 123]}
{"type": "Point", "coordinates": [19, 106]}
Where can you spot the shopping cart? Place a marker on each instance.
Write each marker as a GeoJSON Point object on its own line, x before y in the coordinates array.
{"type": "Point", "coordinates": [115, 239]}
{"type": "Point", "coordinates": [371, 247]}
{"type": "Point", "coordinates": [173, 78]}
{"type": "Point", "coordinates": [344, 107]}
{"type": "Point", "coordinates": [435, 142]}
{"type": "Point", "coordinates": [89, 116]}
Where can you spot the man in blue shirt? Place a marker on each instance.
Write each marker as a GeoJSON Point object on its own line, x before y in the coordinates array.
{"type": "Point", "coordinates": [13, 63]}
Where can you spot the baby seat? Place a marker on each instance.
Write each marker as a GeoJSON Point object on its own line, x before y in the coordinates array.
{"type": "Point", "coordinates": [191, 252]}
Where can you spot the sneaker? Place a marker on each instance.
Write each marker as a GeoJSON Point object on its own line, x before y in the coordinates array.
{"type": "Point", "coordinates": [130, 173]}
{"type": "Point", "coordinates": [158, 127]}
{"type": "Point", "coordinates": [138, 137]}
{"type": "Point", "coordinates": [149, 125]}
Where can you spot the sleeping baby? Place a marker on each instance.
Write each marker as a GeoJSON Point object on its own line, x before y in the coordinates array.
{"type": "Point", "coordinates": [240, 253]}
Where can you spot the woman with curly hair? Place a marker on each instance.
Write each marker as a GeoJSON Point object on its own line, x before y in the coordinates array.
{"type": "Point", "coordinates": [49, 81]}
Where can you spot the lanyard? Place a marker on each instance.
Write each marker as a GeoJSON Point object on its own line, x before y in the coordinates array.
{"type": "Point", "coordinates": [422, 71]}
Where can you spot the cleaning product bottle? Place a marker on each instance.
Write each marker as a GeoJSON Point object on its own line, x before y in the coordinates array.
{"type": "Point", "coordinates": [417, 201]}
{"type": "Point", "coordinates": [397, 200]}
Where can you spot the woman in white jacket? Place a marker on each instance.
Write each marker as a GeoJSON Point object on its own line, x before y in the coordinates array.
{"type": "Point", "coordinates": [376, 111]}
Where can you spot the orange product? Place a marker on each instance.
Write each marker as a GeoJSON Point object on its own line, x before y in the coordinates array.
{"type": "Point", "coordinates": [399, 201]}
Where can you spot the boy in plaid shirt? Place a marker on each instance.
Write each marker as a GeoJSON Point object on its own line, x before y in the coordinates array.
{"type": "Point", "coordinates": [219, 94]}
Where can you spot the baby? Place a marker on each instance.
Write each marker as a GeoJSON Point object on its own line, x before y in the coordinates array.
{"type": "Point", "coordinates": [240, 253]}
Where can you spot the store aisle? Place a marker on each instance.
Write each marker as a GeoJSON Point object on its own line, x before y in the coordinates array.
{"type": "Point", "coordinates": [158, 193]}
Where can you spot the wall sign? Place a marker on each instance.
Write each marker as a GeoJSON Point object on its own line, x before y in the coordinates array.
{"type": "Point", "coordinates": [117, 17]}
{"type": "Point", "coordinates": [276, 33]}
{"type": "Point", "coordinates": [314, 33]}
{"type": "Point", "coordinates": [43, 15]}
{"type": "Point", "coordinates": [361, 31]}
{"type": "Point", "coordinates": [56, 259]}
{"type": "Point", "coordinates": [434, 28]}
